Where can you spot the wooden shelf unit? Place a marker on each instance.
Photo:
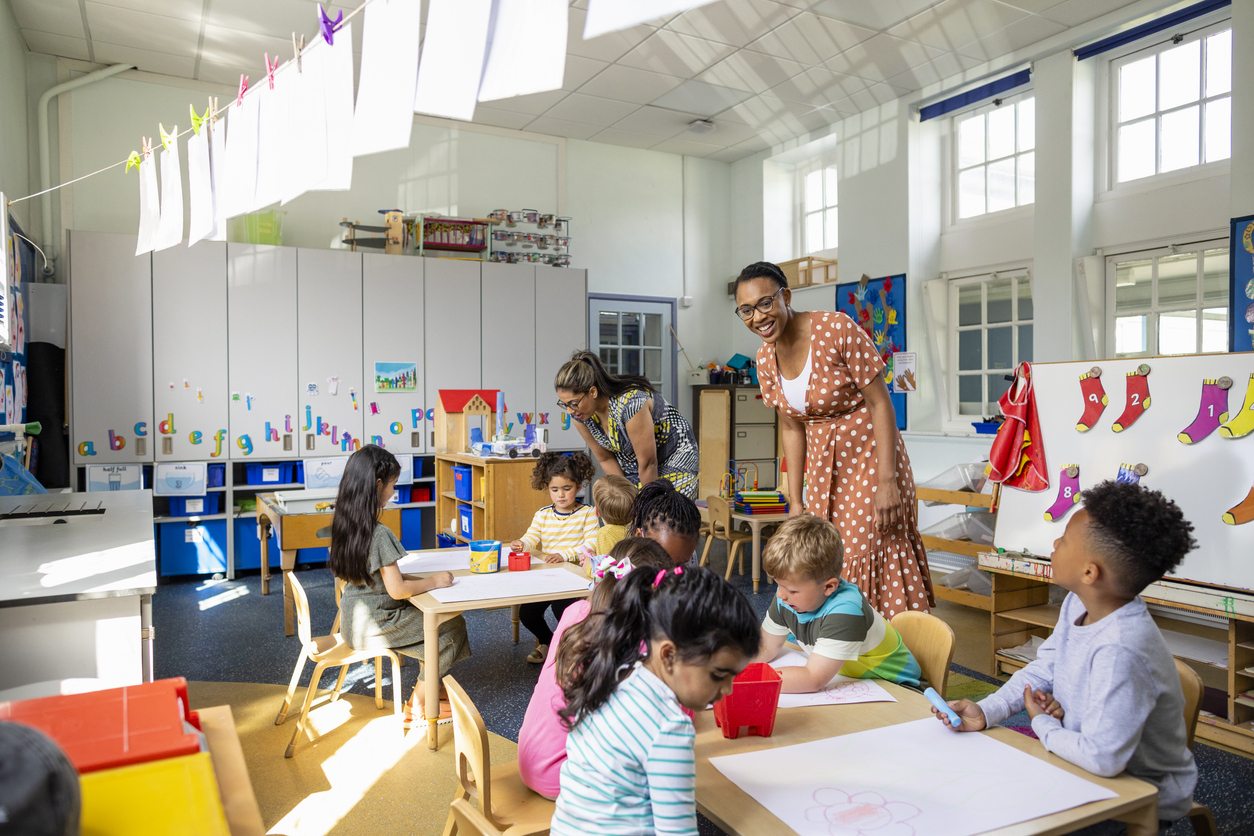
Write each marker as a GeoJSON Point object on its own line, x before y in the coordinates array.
{"type": "Point", "coordinates": [966, 547]}
{"type": "Point", "coordinates": [502, 498]}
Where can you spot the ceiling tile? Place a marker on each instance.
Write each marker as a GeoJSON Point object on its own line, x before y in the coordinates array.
{"type": "Point", "coordinates": [1015, 36]}
{"type": "Point", "coordinates": [242, 49]}
{"type": "Point", "coordinates": [789, 118]}
{"type": "Point", "coordinates": [56, 17]}
{"type": "Point", "coordinates": [535, 104]}
{"type": "Point", "coordinates": [753, 146]}
{"type": "Point", "coordinates": [1034, 7]}
{"type": "Point", "coordinates": [628, 84]}
{"type": "Point", "coordinates": [126, 27]}
{"type": "Point", "coordinates": [501, 118]}
{"type": "Point", "coordinates": [813, 87]}
{"type": "Point", "coordinates": [873, 14]}
{"type": "Point", "coordinates": [882, 57]}
{"type": "Point", "coordinates": [225, 74]}
{"type": "Point", "coordinates": [945, 65]}
{"type": "Point", "coordinates": [735, 22]}
{"type": "Point", "coordinates": [1074, 12]}
{"type": "Point", "coordinates": [61, 45]}
{"type": "Point", "coordinates": [865, 95]}
{"type": "Point", "coordinates": [655, 121]}
{"type": "Point", "coordinates": [701, 99]}
{"type": "Point", "coordinates": [752, 71]}
{"type": "Point", "coordinates": [670, 52]}
{"type": "Point", "coordinates": [810, 39]}
{"type": "Point", "coordinates": [277, 18]}
{"type": "Point", "coordinates": [186, 9]}
{"type": "Point", "coordinates": [560, 127]}
{"type": "Point", "coordinates": [150, 62]}
{"type": "Point", "coordinates": [687, 147]}
{"type": "Point", "coordinates": [580, 70]}
{"type": "Point", "coordinates": [728, 130]}
{"type": "Point", "coordinates": [590, 110]}
{"type": "Point", "coordinates": [630, 139]}
{"type": "Point", "coordinates": [955, 23]}
{"type": "Point", "coordinates": [728, 155]}
{"type": "Point", "coordinates": [608, 47]}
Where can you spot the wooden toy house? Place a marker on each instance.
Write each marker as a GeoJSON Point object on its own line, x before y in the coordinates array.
{"type": "Point", "coordinates": [454, 406]}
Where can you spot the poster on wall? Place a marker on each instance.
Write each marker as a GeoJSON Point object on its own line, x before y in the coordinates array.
{"type": "Point", "coordinates": [879, 308]}
{"type": "Point", "coordinates": [395, 377]}
{"type": "Point", "coordinates": [1241, 273]}
{"type": "Point", "coordinates": [179, 479]}
{"type": "Point", "coordinates": [324, 473]}
{"type": "Point", "coordinates": [114, 477]}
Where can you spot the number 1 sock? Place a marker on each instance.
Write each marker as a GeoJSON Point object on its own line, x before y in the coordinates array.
{"type": "Point", "coordinates": [1212, 412]}
{"type": "Point", "coordinates": [1068, 493]}
{"type": "Point", "coordinates": [1243, 424]}
{"type": "Point", "coordinates": [1243, 513]}
{"type": "Point", "coordinates": [1095, 399]}
{"type": "Point", "coordinates": [1138, 398]}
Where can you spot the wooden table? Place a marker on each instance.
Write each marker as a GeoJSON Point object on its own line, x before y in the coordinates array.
{"type": "Point", "coordinates": [435, 613]}
{"type": "Point", "coordinates": [298, 531]}
{"type": "Point", "coordinates": [756, 521]}
{"type": "Point", "coordinates": [239, 802]}
{"type": "Point", "coordinates": [736, 812]}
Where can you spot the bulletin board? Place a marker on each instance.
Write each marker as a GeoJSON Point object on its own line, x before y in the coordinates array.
{"type": "Point", "coordinates": [1241, 275]}
{"type": "Point", "coordinates": [1206, 478]}
{"type": "Point", "coordinates": [879, 306]}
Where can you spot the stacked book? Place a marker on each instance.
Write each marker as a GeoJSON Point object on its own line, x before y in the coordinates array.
{"type": "Point", "coordinates": [761, 502]}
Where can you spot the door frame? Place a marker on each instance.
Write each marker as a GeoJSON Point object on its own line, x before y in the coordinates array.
{"type": "Point", "coordinates": [672, 395]}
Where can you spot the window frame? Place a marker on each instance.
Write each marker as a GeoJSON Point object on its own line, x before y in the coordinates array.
{"type": "Point", "coordinates": [953, 170]}
{"type": "Point", "coordinates": [821, 163]}
{"type": "Point", "coordinates": [953, 376]}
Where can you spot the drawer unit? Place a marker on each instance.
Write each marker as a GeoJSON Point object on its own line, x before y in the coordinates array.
{"type": "Point", "coordinates": [754, 441]}
{"type": "Point", "coordinates": [750, 409]}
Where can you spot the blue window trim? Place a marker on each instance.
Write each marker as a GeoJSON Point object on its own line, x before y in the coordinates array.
{"type": "Point", "coordinates": [975, 96]}
{"type": "Point", "coordinates": [1146, 29]}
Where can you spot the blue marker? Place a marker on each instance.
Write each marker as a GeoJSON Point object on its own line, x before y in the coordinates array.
{"type": "Point", "coordinates": [942, 706]}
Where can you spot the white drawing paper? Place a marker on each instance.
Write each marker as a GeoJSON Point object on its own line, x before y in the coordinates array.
{"type": "Point", "coordinates": [553, 582]}
{"type": "Point", "coordinates": [389, 73]}
{"type": "Point", "coordinates": [842, 690]}
{"type": "Point", "coordinates": [527, 50]}
{"type": "Point", "coordinates": [452, 62]}
{"type": "Point", "coordinates": [170, 227]}
{"type": "Point", "coordinates": [611, 15]}
{"type": "Point", "coordinates": [337, 89]}
{"type": "Point", "coordinates": [149, 206]}
{"type": "Point", "coordinates": [217, 169]}
{"type": "Point", "coordinates": [442, 560]}
{"type": "Point", "coordinates": [917, 777]}
{"type": "Point", "coordinates": [241, 155]}
{"type": "Point", "coordinates": [305, 157]}
{"type": "Point", "coordinates": [271, 130]}
{"type": "Point", "coordinates": [199, 187]}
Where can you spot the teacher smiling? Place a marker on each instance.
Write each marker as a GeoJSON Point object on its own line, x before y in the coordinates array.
{"type": "Point", "coordinates": [630, 428]}
{"type": "Point", "coordinates": [824, 376]}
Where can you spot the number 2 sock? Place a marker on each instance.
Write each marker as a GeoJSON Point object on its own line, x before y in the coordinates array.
{"type": "Point", "coordinates": [1138, 398]}
{"type": "Point", "coordinates": [1095, 399]}
{"type": "Point", "coordinates": [1243, 513]}
{"type": "Point", "coordinates": [1212, 412]}
{"type": "Point", "coordinates": [1068, 493]}
{"type": "Point", "coordinates": [1243, 423]}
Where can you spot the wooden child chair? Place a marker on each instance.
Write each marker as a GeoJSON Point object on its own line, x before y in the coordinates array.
{"type": "Point", "coordinates": [329, 652]}
{"type": "Point", "coordinates": [931, 643]}
{"type": "Point", "coordinates": [721, 529]}
{"type": "Point", "coordinates": [469, 821]}
{"type": "Point", "coordinates": [506, 803]}
{"type": "Point", "coordinates": [1199, 816]}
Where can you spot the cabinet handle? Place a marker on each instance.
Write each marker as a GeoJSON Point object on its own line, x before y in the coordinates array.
{"type": "Point", "coordinates": [742, 435]}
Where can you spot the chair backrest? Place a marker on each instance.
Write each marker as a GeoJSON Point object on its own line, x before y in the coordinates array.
{"type": "Point", "coordinates": [302, 609]}
{"type": "Point", "coordinates": [1193, 689]}
{"type": "Point", "coordinates": [720, 515]}
{"type": "Point", "coordinates": [931, 642]}
{"type": "Point", "coordinates": [470, 822]}
{"type": "Point", "coordinates": [471, 749]}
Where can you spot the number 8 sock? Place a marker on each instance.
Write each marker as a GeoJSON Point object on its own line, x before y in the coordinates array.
{"type": "Point", "coordinates": [1243, 424]}
{"type": "Point", "coordinates": [1068, 493]}
{"type": "Point", "coordinates": [1212, 412]}
{"type": "Point", "coordinates": [1095, 399]}
{"type": "Point", "coordinates": [1138, 398]}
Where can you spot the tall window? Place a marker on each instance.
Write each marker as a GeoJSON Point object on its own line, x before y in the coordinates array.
{"type": "Point", "coordinates": [993, 316]}
{"type": "Point", "coordinates": [819, 209]}
{"type": "Point", "coordinates": [1173, 106]}
{"type": "Point", "coordinates": [1165, 302]}
{"type": "Point", "coordinates": [996, 158]}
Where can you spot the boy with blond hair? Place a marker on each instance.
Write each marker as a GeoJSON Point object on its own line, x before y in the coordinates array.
{"type": "Point", "coordinates": [825, 614]}
{"type": "Point", "coordinates": [613, 497]}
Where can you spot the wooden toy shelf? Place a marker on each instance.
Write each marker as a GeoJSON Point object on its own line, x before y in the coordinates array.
{"type": "Point", "coordinates": [966, 547]}
{"type": "Point", "coordinates": [503, 502]}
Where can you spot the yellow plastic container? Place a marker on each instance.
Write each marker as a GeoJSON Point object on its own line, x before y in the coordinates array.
{"type": "Point", "coordinates": [174, 795]}
{"type": "Point", "coordinates": [485, 556]}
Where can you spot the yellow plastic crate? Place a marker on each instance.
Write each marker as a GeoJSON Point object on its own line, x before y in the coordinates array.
{"type": "Point", "coordinates": [174, 795]}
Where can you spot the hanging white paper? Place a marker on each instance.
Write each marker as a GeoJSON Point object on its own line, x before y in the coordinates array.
{"type": "Point", "coordinates": [842, 690]}
{"type": "Point", "coordinates": [199, 187]}
{"type": "Point", "coordinates": [149, 206]}
{"type": "Point", "coordinates": [271, 131]}
{"type": "Point", "coordinates": [919, 775]}
{"type": "Point", "coordinates": [452, 62]}
{"type": "Point", "coordinates": [526, 50]}
{"type": "Point", "coordinates": [337, 88]}
{"type": "Point", "coordinates": [217, 169]}
{"type": "Point", "coordinates": [612, 15]}
{"type": "Point", "coordinates": [510, 584]}
{"type": "Point", "coordinates": [306, 154]}
{"type": "Point", "coordinates": [241, 151]}
{"type": "Point", "coordinates": [389, 72]}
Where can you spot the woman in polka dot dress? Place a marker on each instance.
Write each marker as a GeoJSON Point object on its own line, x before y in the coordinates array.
{"type": "Point", "coordinates": [824, 376]}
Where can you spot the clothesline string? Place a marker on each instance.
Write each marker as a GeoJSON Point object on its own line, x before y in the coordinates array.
{"type": "Point", "coordinates": [209, 118]}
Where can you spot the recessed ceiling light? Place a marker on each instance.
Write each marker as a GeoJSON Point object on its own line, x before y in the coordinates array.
{"type": "Point", "coordinates": [701, 126]}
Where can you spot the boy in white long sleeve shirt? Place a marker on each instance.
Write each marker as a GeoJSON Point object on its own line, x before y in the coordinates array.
{"type": "Point", "coordinates": [1106, 663]}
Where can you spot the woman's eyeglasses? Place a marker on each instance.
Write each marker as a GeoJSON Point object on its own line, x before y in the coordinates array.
{"type": "Point", "coordinates": [765, 304]}
{"type": "Point", "coordinates": [571, 406]}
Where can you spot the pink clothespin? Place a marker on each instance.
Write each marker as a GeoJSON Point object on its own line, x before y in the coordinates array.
{"type": "Point", "coordinates": [147, 147]}
{"type": "Point", "coordinates": [243, 88]}
{"type": "Point", "coordinates": [270, 68]}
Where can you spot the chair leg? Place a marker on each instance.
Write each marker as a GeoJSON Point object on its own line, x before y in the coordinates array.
{"type": "Point", "coordinates": [291, 688]}
{"type": "Point", "coordinates": [396, 690]}
{"type": "Point", "coordinates": [339, 683]}
{"type": "Point", "coordinates": [1203, 820]}
{"type": "Point", "coordinates": [733, 550]}
{"type": "Point", "coordinates": [304, 712]}
{"type": "Point", "coordinates": [378, 682]}
{"type": "Point", "coordinates": [450, 826]}
{"type": "Point", "coordinates": [705, 553]}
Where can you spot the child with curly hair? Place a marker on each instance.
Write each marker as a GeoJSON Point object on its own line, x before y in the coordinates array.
{"type": "Point", "coordinates": [558, 531]}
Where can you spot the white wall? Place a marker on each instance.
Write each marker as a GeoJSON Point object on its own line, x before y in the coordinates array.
{"type": "Point", "coordinates": [14, 162]}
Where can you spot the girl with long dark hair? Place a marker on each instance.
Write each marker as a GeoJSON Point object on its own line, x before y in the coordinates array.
{"type": "Point", "coordinates": [374, 609]}
{"type": "Point", "coordinates": [630, 748]}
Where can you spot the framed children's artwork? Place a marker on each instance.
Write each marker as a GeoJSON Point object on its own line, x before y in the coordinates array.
{"type": "Point", "coordinates": [1241, 275]}
{"type": "Point", "coordinates": [395, 377]}
{"type": "Point", "coordinates": [879, 308]}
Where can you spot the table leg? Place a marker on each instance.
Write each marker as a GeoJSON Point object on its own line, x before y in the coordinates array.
{"type": "Point", "coordinates": [755, 526]}
{"type": "Point", "coordinates": [263, 532]}
{"type": "Point", "coordinates": [287, 563]}
{"type": "Point", "coordinates": [1142, 821]}
{"type": "Point", "coordinates": [513, 615]}
{"type": "Point", "coordinates": [146, 637]}
{"type": "Point", "coordinates": [431, 670]}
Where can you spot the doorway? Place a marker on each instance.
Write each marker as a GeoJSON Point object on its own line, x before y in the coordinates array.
{"type": "Point", "coordinates": [633, 335]}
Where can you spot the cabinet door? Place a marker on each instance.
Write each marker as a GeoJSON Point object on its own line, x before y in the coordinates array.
{"type": "Point", "coordinates": [509, 339]}
{"type": "Point", "coordinates": [561, 328]}
{"type": "Point", "coordinates": [394, 397]}
{"type": "Point", "coordinates": [452, 333]}
{"type": "Point", "coordinates": [110, 350]}
{"type": "Point", "coordinates": [189, 339]}
{"type": "Point", "coordinates": [261, 316]}
{"type": "Point", "coordinates": [329, 358]}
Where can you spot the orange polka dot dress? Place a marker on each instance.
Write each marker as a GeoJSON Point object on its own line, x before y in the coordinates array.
{"type": "Point", "coordinates": [890, 569]}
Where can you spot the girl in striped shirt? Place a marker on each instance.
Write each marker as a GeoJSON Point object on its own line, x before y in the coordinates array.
{"type": "Point", "coordinates": [670, 640]}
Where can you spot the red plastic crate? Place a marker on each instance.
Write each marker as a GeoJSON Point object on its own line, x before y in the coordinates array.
{"type": "Point", "coordinates": [117, 727]}
{"type": "Point", "coordinates": [519, 561]}
{"type": "Point", "coordinates": [753, 702]}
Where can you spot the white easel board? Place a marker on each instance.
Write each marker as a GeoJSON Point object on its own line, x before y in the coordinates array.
{"type": "Point", "coordinates": [1205, 479]}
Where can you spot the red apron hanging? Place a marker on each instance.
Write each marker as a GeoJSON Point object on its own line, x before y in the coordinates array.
{"type": "Point", "coordinates": [1017, 458]}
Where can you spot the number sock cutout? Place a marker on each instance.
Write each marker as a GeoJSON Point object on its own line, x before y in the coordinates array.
{"type": "Point", "coordinates": [1138, 398]}
{"type": "Point", "coordinates": [1212, 412]}
{"type": "Point", "coordinates": [1243, 423]}
{"type": "Point", "coordinates": [1095, 399]}
{"type": "Point", "coordinates": [1068, 493]}
{"type": "Point", "coordinates": [1243, 513]}
{"type": "Point", "coordinates": [1130, 474]}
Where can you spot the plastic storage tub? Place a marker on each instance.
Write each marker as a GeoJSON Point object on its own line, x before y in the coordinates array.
{"type": "Point", "coordinates": [186, 548]}
{"type": "Point", "coordinates": [411, 527]}
{"type": "Point", "coordinates": [269, 473]}
{"type": "Point", "coordinates": [248, 547]}
{"type": "Point", "coordinates": [461, 483]}
{"type": "Point", "coordinates": [753, 702]}
{"type": "Point", "coordinates": [401, 496]}
{"type": "Point", "coordinates": [215, 476]}
{"type": "Point", "coordinates": [976, 526]}
{"type": "Point", "coordinates": [174, 795]}
{"type": "Point", "coordinates": [444, 541]}
{"type": "Point", "coordinates": [519, 561]}
{"type": "Point", "coordinates": [465, 521]}
{"type": "Point", "coordinates": [195, 506]}
{"type": "Point", "coordinates": [968, 477]}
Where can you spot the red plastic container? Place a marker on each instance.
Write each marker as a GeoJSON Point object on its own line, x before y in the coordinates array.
{"type": "Point", "coordinates": [519, 561]}
{"type": "Point", "coordinates": [753, 702]}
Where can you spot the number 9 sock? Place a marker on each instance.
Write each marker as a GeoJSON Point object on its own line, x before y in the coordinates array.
{"type": "Point", "coordinates": [1138, 398]}
{"type": "Point", "coordinates": [1095, 399]}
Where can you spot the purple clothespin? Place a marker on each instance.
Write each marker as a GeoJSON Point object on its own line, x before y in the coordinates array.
{"type": "Point", "coordinates": [328, 26]}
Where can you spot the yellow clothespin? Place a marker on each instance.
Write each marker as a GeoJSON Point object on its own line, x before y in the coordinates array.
{"type": "Point", "coordinates": [133, 161]}
{"type": "Point", "coordinates": [168, 139]}
{"type": "Point", "coordinates": [197, 121]}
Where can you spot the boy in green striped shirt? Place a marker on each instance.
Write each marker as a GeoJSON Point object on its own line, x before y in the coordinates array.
{"type": "Point", "coordinates": [828, 616]}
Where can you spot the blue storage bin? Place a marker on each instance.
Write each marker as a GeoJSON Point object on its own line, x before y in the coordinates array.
{"type": "Point", "coordinates": [466, 521]}
{"type": "Point", "coordinates": [445, 541]}
{"type": "Point", "coordinates": [298, 473]}
{"type": "Point", "coordinates": [461, 482]}
{"type": "Point", "coordinates": [195, 506]}
{"type": "Point", "coordinates": [417, 467]}
{"type": "Point", "coordinates": [269, 473]}
{"type": "Point", "coordinates": [411, 528]}
{"type": "Point", "coordinates": [402, 494]}
{"type": "Point", "coordinates": [216, 476]}
{"type": "Point", "coordinates": [248, 547]}
{"type": "Point", "coordinates": [311, 555]}
{"type": "Point", "coordinates": [192, 548]}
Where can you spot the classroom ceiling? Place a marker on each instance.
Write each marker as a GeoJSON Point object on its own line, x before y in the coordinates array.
{"type": "Point", "coordinates": [764, 71]}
